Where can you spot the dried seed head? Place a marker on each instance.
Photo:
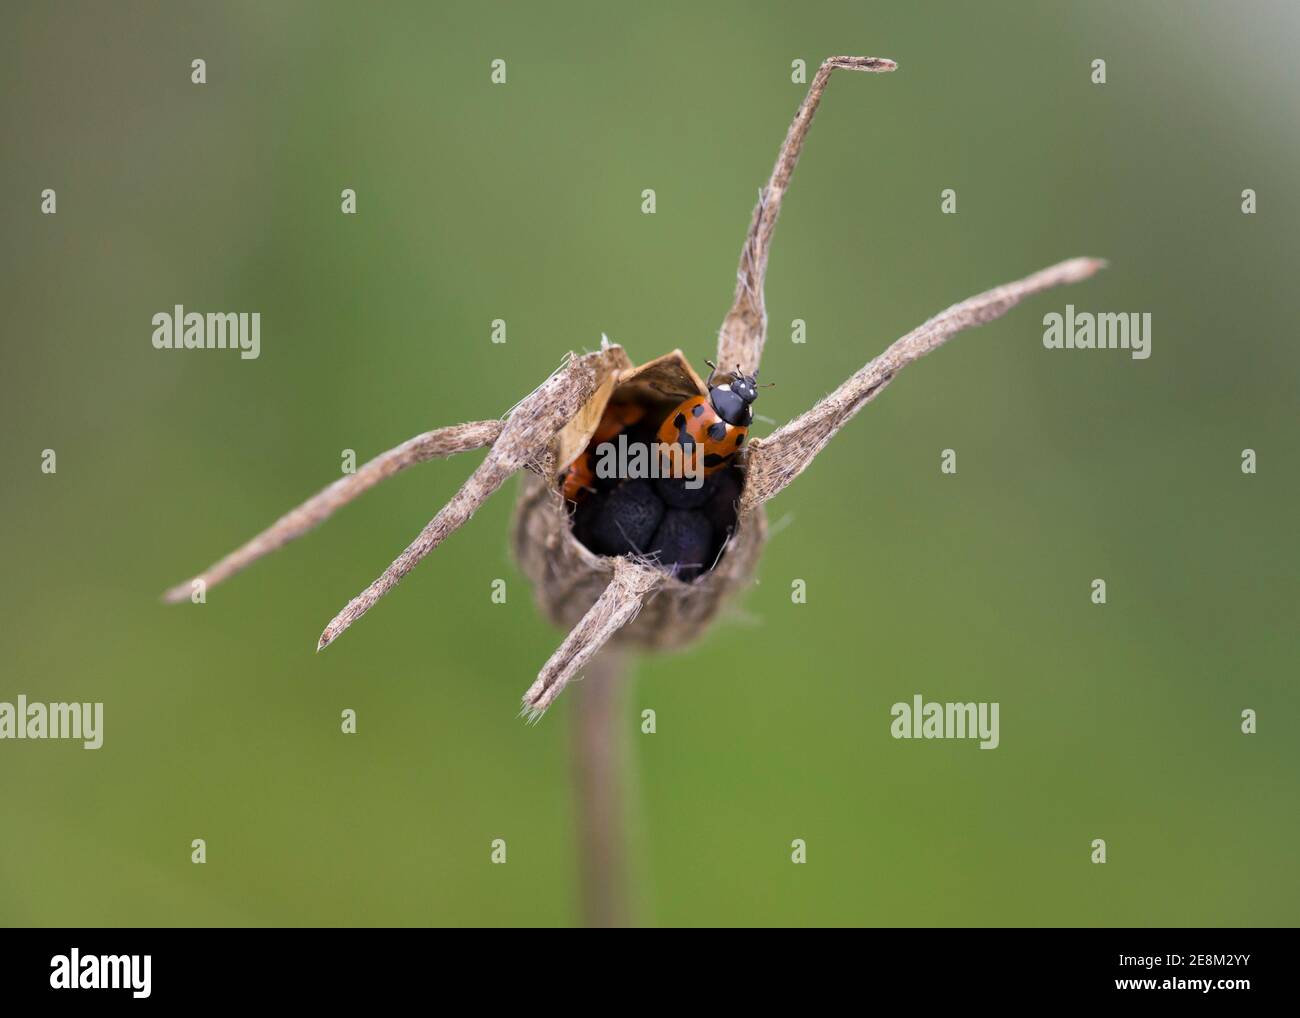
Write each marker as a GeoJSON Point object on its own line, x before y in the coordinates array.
{"type": "Point", "coordinates": [569, 579]}
{"type": "Point", "coordinates": [631, 598]}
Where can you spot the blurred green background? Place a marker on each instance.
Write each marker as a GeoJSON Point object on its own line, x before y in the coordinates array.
{"type": "Point", "coordinates": [522, 202]}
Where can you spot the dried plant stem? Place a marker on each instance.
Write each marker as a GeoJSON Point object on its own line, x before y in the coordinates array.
{"type": "Point", "coordinates": [628, 589]}
{"type": "Point", "coordinates": [430, 445]}
{"type": "Point", "coordinates": [777, 460]}
{"type": "Point", "coordinates": [740, 340]}
{"type": "Point", "coordinates": [600, 764]}
{"type": "Point", "coordinates": [523, 440]}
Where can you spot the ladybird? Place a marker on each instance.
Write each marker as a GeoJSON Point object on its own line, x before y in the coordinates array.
{"type": "Point", "coordinates": [670, 517]}
{"type": "Point", "coordinates": [580, 476]}
{"type": "Point", "coordinates": [718, 423]}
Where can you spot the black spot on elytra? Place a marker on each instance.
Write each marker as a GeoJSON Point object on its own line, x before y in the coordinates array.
{"type": "Point", "coordinates": [717, 431]}
{"type": "Point", "coordinates": [684, 438]}
{"type": "Point", "coordinates": [699, 409]}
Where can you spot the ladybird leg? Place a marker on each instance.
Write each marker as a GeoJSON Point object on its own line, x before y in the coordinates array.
{"type": "Point", "coordinates": [629, 587]}
{"type": "Point", "coordinates": [316, 510]}
{"type": "Point", "coordinates": [523, 442]}
{"type": "Point", "coordinates": [744, 329]}
{"type": "Point", "coordinates": [777, 460]}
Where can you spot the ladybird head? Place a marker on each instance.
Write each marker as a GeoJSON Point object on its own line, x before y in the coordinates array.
{"type": "Point", "coordinates": [745, 386]}
{"type": "Point", "coordinates": [732, 399]}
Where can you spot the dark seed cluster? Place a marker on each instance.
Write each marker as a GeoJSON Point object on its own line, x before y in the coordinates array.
{"type": "Point", "coordinates": [680, 527]}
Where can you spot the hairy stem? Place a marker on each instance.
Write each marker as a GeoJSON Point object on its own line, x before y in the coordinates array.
{"type": "Point", "coordinates": [527, 432]}
{"type": "Point", "coordinates": [740, 341]}
{"type": "Point", "coordinates": [629, 587]}
{"type": "Point", "coordinates": [319, 508]}
{"type": "Point", "coordinates": [777, 460]}
{"type": "Point", "coordinates": [600, 764]}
